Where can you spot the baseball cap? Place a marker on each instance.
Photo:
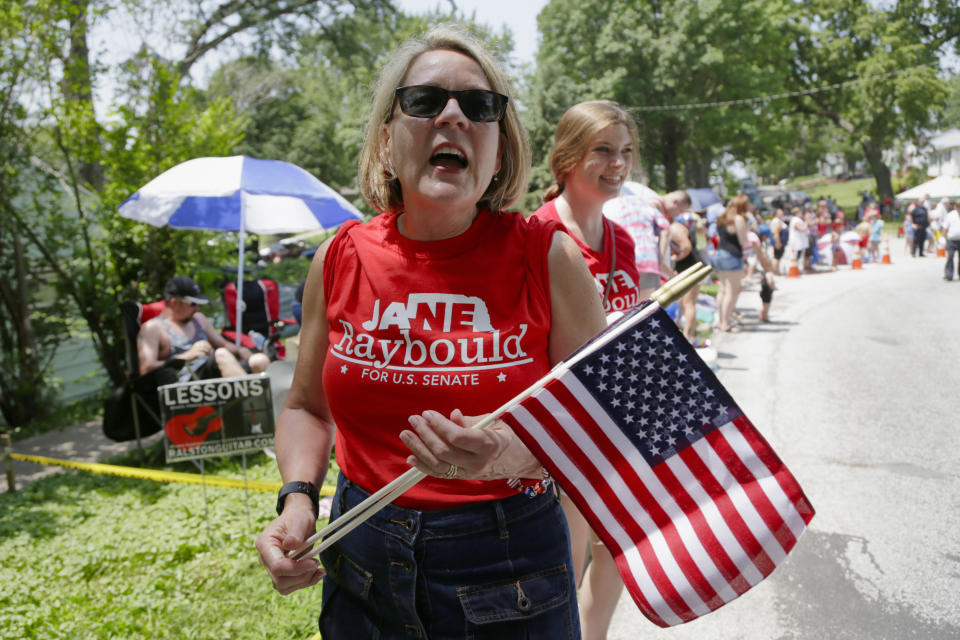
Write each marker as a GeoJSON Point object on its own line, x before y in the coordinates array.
{"type": "Point", "coordinates": [186, 289]}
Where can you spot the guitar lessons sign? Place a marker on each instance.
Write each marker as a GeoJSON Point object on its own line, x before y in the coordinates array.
{"type": "Point", "coordinates": [218, 417]}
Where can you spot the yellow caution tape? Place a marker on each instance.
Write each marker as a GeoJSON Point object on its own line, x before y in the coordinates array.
{"type": "Point", "coordinates": [157, 475]}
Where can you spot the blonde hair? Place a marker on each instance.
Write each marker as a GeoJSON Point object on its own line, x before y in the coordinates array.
{"type": "Point", "coordinates": [576, 129]}
{"type": "Point", "coordinates": [737, 206]}
{"type": "Point", "coordinates": [380, 188]}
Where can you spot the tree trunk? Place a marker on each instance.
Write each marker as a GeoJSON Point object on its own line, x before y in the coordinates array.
{"type": "Point", "coordinates": [23, 380]}
{"type": "Point", "coordinates": [697, 172]}
{"type": "Point", "coordinates": [672, 138]}
{"type": "Point", "coordinates": [77, 87]}
{"type": "Point", "coordinates": [879, 169]}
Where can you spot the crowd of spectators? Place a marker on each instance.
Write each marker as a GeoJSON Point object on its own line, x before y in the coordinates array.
{"type": "Point", "coordinates": [749, 248]}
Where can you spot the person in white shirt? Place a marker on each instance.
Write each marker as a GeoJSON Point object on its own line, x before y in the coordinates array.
{"type": "Point", "coordinates": [950, 226]}
{"type": "Point", "coordinates": [798, 240]}
{"type": "Point", "coordinates": [937, 214]}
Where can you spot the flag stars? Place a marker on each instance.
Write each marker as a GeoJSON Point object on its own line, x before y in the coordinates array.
{"type": "Point", "coordinates": [651, 386]}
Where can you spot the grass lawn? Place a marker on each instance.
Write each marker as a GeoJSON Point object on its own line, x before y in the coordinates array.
{"type": "Point", "coordinates": [845, 193]}
{"type": "Point", "coordinates": [95, 557]}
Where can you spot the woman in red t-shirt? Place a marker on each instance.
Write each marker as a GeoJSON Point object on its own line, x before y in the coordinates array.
{"type": "Point", "coordinates": [591, 158]}
{"type": "Point", "coordinates": [442, 307]}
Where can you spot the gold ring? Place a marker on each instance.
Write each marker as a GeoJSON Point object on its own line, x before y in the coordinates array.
{"type": "Point", "coordinates": [451, 472]}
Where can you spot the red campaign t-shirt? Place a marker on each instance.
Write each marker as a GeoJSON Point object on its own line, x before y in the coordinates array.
{"type": "Point", "coordinates": [461, 323]}
{"type": "Point", "coordinates": [624, 290]}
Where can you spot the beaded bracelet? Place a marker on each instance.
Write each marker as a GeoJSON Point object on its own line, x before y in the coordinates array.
{"type": "Point", "coordinates": [532, 488]}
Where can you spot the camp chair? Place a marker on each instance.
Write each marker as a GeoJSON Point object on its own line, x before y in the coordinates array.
{"type": "Point", "coordinates": [133, 410]}
{"type": "Point", "coordinates": [261, 314]}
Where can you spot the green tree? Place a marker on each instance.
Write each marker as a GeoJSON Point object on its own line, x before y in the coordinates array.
{"type": "Point", "coordinates": [652, 55]}
{"type": "Point", "coordinates": [31, 326]}
{"type": "Point", "coordinates": [889, 58]}
{"type": "Point", "coordinates": [951, 112]}
{"type": "Point", "coordinates": [59, 218]}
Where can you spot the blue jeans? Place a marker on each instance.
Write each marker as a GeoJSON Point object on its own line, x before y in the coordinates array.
{"type": "Point", "coordinates": [488, 570]}
{"type": "Point", "coordinates": [723, 260]}
{"type": "Point", "coordinates": [953, 247]}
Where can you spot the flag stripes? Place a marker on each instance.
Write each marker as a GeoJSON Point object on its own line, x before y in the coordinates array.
{"type": "Point", "coordinates": [653, 498]}
{"type": "Point", "coordinates": [638, 581]}
{"type": "Point", "coordinates": [689, 534]}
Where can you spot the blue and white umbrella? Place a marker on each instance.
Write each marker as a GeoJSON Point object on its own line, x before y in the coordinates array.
{"type": "Point", "coordinates": [240, 194]}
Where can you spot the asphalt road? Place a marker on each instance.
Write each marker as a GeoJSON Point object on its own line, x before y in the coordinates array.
{"type": "Point", "coordinates": [856, 386]}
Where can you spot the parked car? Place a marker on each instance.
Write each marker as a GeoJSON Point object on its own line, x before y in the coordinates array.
{"type": "Point", "coordinates": [799, 198]}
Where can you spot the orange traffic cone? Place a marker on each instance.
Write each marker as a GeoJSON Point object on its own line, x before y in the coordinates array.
{"type": "Point", "coordinates": [857, 259]}
{"type": "Point", "coordinates": [942, 247]}
{"type": "Point", "coordinates": [885, 256]}
{"type": "Point", "coordinates": [794, 270]}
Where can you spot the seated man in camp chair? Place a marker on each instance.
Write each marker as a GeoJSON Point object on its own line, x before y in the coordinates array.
{"type": "Point", "coordinates": [181, 332]}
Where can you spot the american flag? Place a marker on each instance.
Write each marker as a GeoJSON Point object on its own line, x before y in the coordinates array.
{"type": "Point", "coordinates": [686, 494]}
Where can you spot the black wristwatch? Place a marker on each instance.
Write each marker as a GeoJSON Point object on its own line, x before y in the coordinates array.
{"type": "Point", "coordinates": [299, 487]}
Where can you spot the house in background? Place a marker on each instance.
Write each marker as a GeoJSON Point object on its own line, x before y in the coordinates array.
{"type": "Point", "coordinates": [943, 159]}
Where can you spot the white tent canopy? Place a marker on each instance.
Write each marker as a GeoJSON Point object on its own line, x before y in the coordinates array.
{"type": "Point", "coordinates": [942, 187]}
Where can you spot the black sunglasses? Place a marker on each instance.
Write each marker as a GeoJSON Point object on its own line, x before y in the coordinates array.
{"type": "Point", "coordinates": [425, 101]}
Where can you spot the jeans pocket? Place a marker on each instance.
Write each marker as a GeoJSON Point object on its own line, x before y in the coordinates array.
{"type": "Point", "coordinates": [514, 608]}
{"type": "Point", "coordinates": [347, 610]}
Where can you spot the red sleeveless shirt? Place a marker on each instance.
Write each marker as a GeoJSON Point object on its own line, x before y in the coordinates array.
{"type": "Point", "coordinates": [624, 290]}
{"type": "Point", "coordinates": [461, 323]}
